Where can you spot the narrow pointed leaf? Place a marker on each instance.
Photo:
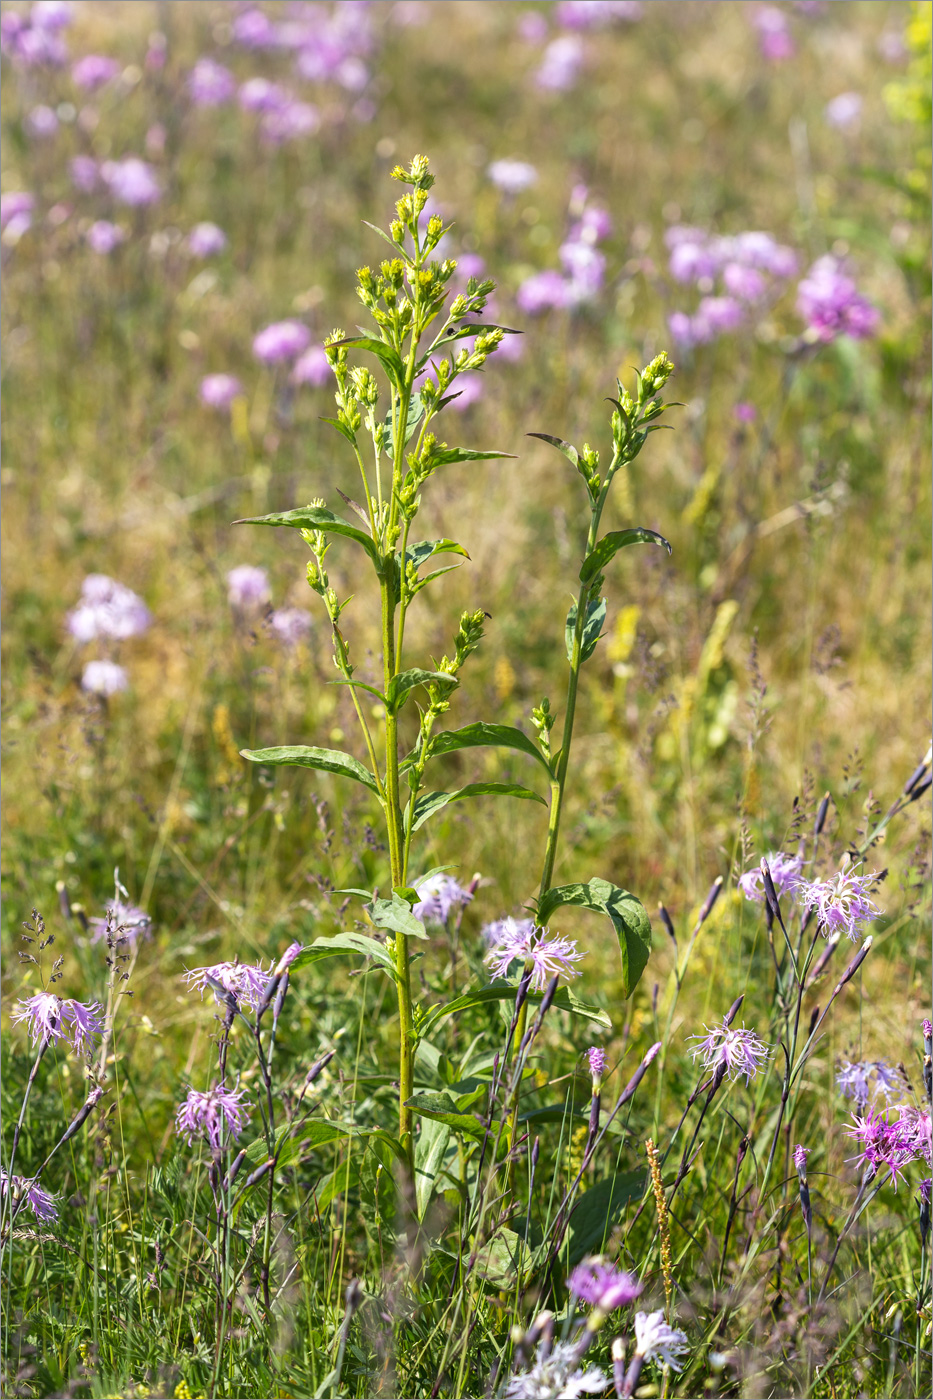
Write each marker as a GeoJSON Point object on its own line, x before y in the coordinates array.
{"type": "Point", "coordinates": [482, 735]}
{"type": "Point", "coordinates": [595, 619]}
{"type": "Point", "coordinates": [505, 991]}
{"type": "Point", "coordinates": [610, 545]}
{"type": "Point", "coordinates": [391, 360]}
{"type": "Point", "coordinates": [448, 455]}
{"type": "Point", "coordinates": [430, 802]}
{"type": "Point", "coordinates": [325, 760]}
{"type": "Point", "coordinates": [569, 451]}
{"type": "Point", "coordinates": [341, 428]}
{"type": "Point", "coordinates": [317, 518]}
{"type": "Point", "coordinates": [628, 915]}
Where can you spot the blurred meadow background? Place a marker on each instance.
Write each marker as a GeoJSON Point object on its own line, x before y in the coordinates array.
{"type": "Point", "coordinates": [743, 186]}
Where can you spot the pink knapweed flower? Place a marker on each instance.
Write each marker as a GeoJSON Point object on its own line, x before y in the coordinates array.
{"type": "Point", "coordinates": [210, 84]}
{"type": "Point", "coordinates": [107, 609]}
{"type": "Point", "coordinates": [219, 390]}
{"type": "Point", "coordinates": [283, 340]}
{"type": "Point", "coordinates": [313, 367]}
{"type": "Point", "coordinates": [560, 64]}
{"type": "Point", "coordinates": [603, 1287]}
{"type": "Point", "coordinates": [48, 1018]}
{"type": "Point", "coordinates": [103, 236]}
{"type": "Point", "coordinates": [831, 305]}
{"type": "Point", "coordinates": [131, 181]}
{"type": "Point", "coordinates": [290, 625]}
{"type": "Point", "coordinates": [512, 176]}
{"type": "Point", "coordinates": [206, 240]}
{"type": "Point", "coordinates": [248, 587]}
{"type": "Point", "coordinates": [93, 71]}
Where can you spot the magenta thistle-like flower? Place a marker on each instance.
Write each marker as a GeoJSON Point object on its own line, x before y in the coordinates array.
{"type": "Point", "coordinates": [40, 1202]}
{"type": "Point", "coordinates": [656, 1341]}
{"type": "Point", "coordinates": [103, 236]}
{"type": "Point", "coordinates": [313, 367]}
{"type": "Point", "coordinates": [219, 390]}
{"type": "Point", "coordinates": [93, 71]}
{"type": "Point", "coordinates": [210, 83]}
{"type": "Point", "coordinates": [246, 982]}
{"type": "Point", "coordinates": [248, 587]}
{"type": "Point", "coordinates": [283, 340]}
{"type": "Point", "coordinates": [50, 1018]}
{"type": "Point", "coordinates": [800, 1159]}
{"type": "Point", "coordinates": [842, 904]}
{"type": "Point", "coordinates": [741, 1051]}
{"type": "Point", "coordinates": [131, 181]}
{"type": "Point", "coordinates": [519, 940]}
{"type": "Point", "coordinates": [438, 897]}
{"type": "Point", "coordinates": [786, 872]}
{"type": "Point", "coordinates": [597, 1060]}
{"type": "Point", "coordinates": [206, 240]}
{"type": "Point", "coordinates": [290, 625]}
{"type": "Point", "coordinates": [216, 1116]}
{"type": "Point", "coordinates": [126, 921]}
{"type": "Point", "coordinates": [603, 1287]}
{"type": "Point", "coordinates": [829, 302]}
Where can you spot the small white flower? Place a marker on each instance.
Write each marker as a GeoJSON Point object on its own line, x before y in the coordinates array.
{"type": "Point", "coordinates": [656, 1341]}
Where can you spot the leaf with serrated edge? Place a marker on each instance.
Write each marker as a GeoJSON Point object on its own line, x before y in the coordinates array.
{"type": "Point", "coordinates": [610, 545]}
{"type": "Point", "coordinates": [629, 919]}
{"type": "Point", "coordinates": [325, 760]}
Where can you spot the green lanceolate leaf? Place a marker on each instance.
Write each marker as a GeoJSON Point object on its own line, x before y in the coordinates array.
{"type": "Point", "coordinates": [628, 915]}
{"type": "Point", "coordinates": [610, 545]}
{"type": "Point", "coordinates": [460, 333]}
{"type": "Point", "coordinates": [482, 735]}
{"type": "Point", "coordinates": [430, 802]}
{"type": "Point", "coordinates": [505, 991]}
{"type": "Point", "coordinates": [425, 549]}
{"type": "Point", "coordinates": [346, 1177]}
{"type": "Point", "coordinates": [445, 456]}
{"type": "Point", "coordinates": [569, 451]}
{"type": "Point", "coordinates": [598, 1210]}
{"type": "Point", "coordinates": [395, 914]}
{"type": "Point", "coordinates": [443, 1109]}
{"type": "Point", "coordinates": [325, 760]}
{"type": "Point", "coordinates": [415, 415]}
{"type": "Point", "coordinates": [317, 518]}
{"type": "Point", "coordinates": [391, 360]}
{"type": "Point", "coordinates": [399, 686]}
{"type": "Point", "coordinates": [430, 1151]}
{"type": "Point", "coordinates": [595, 618]}
{"type": "Point", "coordinates": [341, 428]}
{"type": "Point", "coordinates": [356, 943]}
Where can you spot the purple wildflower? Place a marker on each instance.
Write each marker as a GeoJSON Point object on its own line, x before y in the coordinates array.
{"type": "Point", "coordinates": [84, 173]}
{"type": "Point", "coordinates": [104, 677]}
{"type": "Point", "coordinates": [246, 982]}
{"type": "Point", "coordinates": [828, 301]}
{"type": "Point", "coordinates": [557, 1373]}
{"type": "Point", "coordinates": [785, 870]}
{"type": "Point", "coordinates": [560, 64]}
{"type": "Point", "coordinates": [923, 1190]}
{"type": "Point", "coordinates": [470, 388]}
{"type": "Point", "coordinates": [438, 897]}
{"type": "Point", "coordinates": [800, 1159]}
{"type": "Point", "coordinates": [283, 340]}
{"type": "Point", "coordinates": [41, 122]}
{"type": "Point", "coordinates": [206, 240]}
{"type": "Point", "coordinates": [16, 208]}
{"type": "Point", "coordinates": [287, 958]}
{"type": "Point", "coordinates": [51, 14]}
{"type": "Point", "coordinates": [290, 625]}
{"type": "Point", "coordinates": [124, 920]}
{"type": "Point", "coordinates": [890, 1144]}
{"type": "Point", "coordinates": [107, 609]}
{"type": "Point", "coordinates": [656, 1341]}
{"type": "Point", "coordinates": [247, 586]}
{"type": "Point", "coordinates": [542, 291]}
{"type": "Point", "coordinates": [219, 390]}
{"type": "Point", "coordinates": [597, 1059]}
{"type": "Point", "coordinates": [741, 1051]}
{"type": "Point", "coordinates": [841, 903]}
{"type": "Point", "coordinates": [854, 1080]}
{"type": "Point", "coordinates": [103, 236]}
{"type": "Point", "coordinates": [602, 1287]}
{"type": "Point", "coordinates": [774, 37]}
{"type": "Point", "coordinates": [313, 367]}
{"type": "Point", "coordinates": [531, 26]}
{"type": "Point", "coordinates": [289, 123]}
{"type": "Point", "coordinates": [927, 1028]}
{"type": "Point", "coordinates": [717, 316]}
{"type": "Point", "coordinates": [254, 30]}
{"type": "Point", "coordinates": [41, 1203]}
{"type": "Point", "coordinates": [746, 413]}
{"type": "Point", "coordinates": [744, 283]}
{"type": "Point", "coordinates": [596, 14]}
{"type": "Point", "coordinates": [263, 96]}
{"type": "Point", "coordinates": [49, 1017]}
{"type": "Point", "coordinates": [93, 71]}
{"type": "Point", "coordinates": [210, 84]}
{"type": "Point", "coordinates": [131, 181]}
{"type": "Point", "coordinates": [844, 111]}
{"type": "Point", "coordinates": [512, 176]}
{"type": "Point", "coordinates": [550, 957]}
{"type": "Point", "coordinates": [585, 267]}
{"type": "Point", "coordinates": [216, 1116]}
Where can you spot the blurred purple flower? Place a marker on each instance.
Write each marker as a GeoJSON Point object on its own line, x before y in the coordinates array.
{"type": "Point", "coordinates": [595, 14]}
{"type": "Point", "coordinates": [283, 340]}
{"type": "Point", "coordinates": [289, 123]}
{"type": "Point", "coordinates": [206, 240]}
{"type": "Point", "coordinates": [680, 326]}
{"type": "Point", "coordinates": [828, 301]}
{"type": "Point", "coordinates": [50, 1018]}
{"type": "Point", "coordinates": [210, 84]}
{"type": "Point", "coordinates": [755, 248]}
{"type": "Point", "coordinates": [593, 225]}
{"type": "Point", "coordinates": [246, 982]}
{"type": "Point", "coordinates": [586, 269]}
{"type": "Point", "coordinates": [745, 283]}
{"type": "Point", "coordinates": [512, 176]}
{"type": "Point", "coordinates": [469, 390]}
{"type": "Point", "coordinates": [549, 956]}
{"type": "Point", "coordinates": [290, 625]}
{"type": "Point", "coordinates": [786, 871]}
{"type": "Point", "coordinates": [34, 46]}
{"type": "Point", "coordinates": [41, 122]}
{"type": "Point", "coordinates": [597, 1061]}
{"type": "Point", "coordinates": [557, 1372]}
{"type": "Point", "coordinates": [218, 1116]}
{"type": "Point", "coordinates": [716, 316]}
{"type": "Point", "coordinates": [312, 368]}
{"type": "Point", "coordinates": [125, 920]}
{"type": "Point", "coordinates": [603, 1287]}
{"type": "Point", "coordinates": [254, 30]}
{"type": "Point", "coordinates": [655, 1340]}
{"type": "Point", "coordinates": [502, 930]}
{"type": "Point", "coordinates": [40, 1202]}
{"type": "Point", "coordinates": [93, 71]}
{"type": "Point", "coordinates": [745, 413]}
{"type": "Point", "coordinates": [248, 587]}
{"type": "Point", "coordinates": [438, 897]}
{"type": "Point", "coordinates": [842, 904]}
{"type": "Point", "coordinates": [774, 37]}
{"type": "Point", "coordinates": [16, 212]}
{"type": "Point", "coordinates": [262, 95]}
{"type": "Point", "coordinates": [531, 26]}
{"type": "Point", "coordinates": [866, 1079]}
{"type": "Point", "coordinates": [108, 609]}
{"type": "Point", "coordinates": [84, 173]}
{"type": "Point", "coordinates": [690, 261]}
{"type": "Point", "coordinates": [131, 181]}
{"type": "Point", "coordinates": [800, 1159]}
{"type": "Point", "coordinates": [844, 112]}
{"type": "Point", "coordinates": [542, 291]}
{"type": "Point", "coordinates": [560, 65]}
{"type": "Point", "coordinates": [51, 15]}
{"type": "Point", "coordinates": [104, 678]}
{"type": "Point", "coordinates": [219, 390]}
{"type": "Point", "coordinates": [103, 236]}
{"type": "Point", "coordinates": [741, 1051]}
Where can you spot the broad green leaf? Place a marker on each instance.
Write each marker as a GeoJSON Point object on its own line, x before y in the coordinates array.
{"type": "Point", "coordinates": [425, 549]}
{"type": "Point", "coordinates": [482, 735]}
{"type": "Point", "coordinates": [430, 1151]}
{"type": "Point", "coordinates": [443, 1109]}
{"type": "Point", "coordinates": [502, 1260]}
{"type": "Point", "coordinates": [595, 618]}
{"type": "Point", "coordinates": [317, 518]}
{"type": "Point", "coordinates": [569, 451]}
{"type": "Point", "coordinates": [345, 1177]}
{"type": "Point", "coordinates": [430, 802]}
{"type": "Point", "coordinates": [610, 545]}
{"type": "Point", "coordinates": [391, 360]}
{"type": "Point", "coordinates": [400, 685]}
{"type": "Point", "coordinates": [358, 943]}
{"type": "Point", "coordinates": [506, 991]}
{"type": "Point", "coordinates": [395, 914]}
{"type": "Point", "coordinates": [318, 1133]}
{"type": "Point", "coordinates": [415, 415]}
{"type": "Point", "coordinates": [628, 915]}
{"type": "Point", "coordinates": [597, 1211]}
{"type": "Point", "coordinates": [325, 760]}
